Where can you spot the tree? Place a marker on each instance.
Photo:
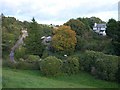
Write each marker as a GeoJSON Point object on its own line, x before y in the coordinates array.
{"type": "Point", "coordinates": [64, 40]}
{"type": "Point", "coordinates": [113, 31]}
{"type": "Point", "coordinates": [116, 39]}
{"type": "Point", "coordinates": [111, 28]}
{"type": "Point", "coordinates": [33, 41]}
{"type": "Point", "coordinates": [10, 33]}
{"type": "Point", "coordinates": [89, 22]}
{"type": "Point", "coordinates": [76, 25]}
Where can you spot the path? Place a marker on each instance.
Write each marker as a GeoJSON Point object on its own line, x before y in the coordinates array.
{"type": "Point", "coordinates": [18, 43]}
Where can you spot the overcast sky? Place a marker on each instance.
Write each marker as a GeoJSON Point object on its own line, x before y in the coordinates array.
{"type": "Point", "coordinates": [59, 11]}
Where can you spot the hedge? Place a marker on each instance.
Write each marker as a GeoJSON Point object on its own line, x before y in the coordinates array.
{"type": "Point", "coordinates": [21, 65]}
{"type": "Point", "coordinates": [71, 65]}
{"type": "Point", "coordinates": [101, 65]}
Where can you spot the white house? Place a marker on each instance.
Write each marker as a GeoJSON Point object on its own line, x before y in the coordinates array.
{"type": "Point", "coordinates": [46, 40]}
{"type": "Point", "coordinates": [100, 29]}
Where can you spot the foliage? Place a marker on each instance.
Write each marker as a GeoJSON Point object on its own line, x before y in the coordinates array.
{"type": "Point", "coordinates": [21, 64]}
{"type": "Point", "coordinates": [118, 72]}
{"type": "Point", "coordinates": [89, 22]}
{"type": "Point", "coordinates": [33, 41]}
{"type": "Point", "coordinates": [10, 33]}
{"type": "Point", "coordinates": [51, 66]}
{"type": "Point", "coordinates": [113, 31]}
{"type": "Point", "coordinates": [27, 65]}
{"type": "Point", "coordinates": [116, 40]}
{"type": "Point", "coordinates": [64, 39]}
{"type": "Point", "coordinates": [20, 53]}
{"type": "Point", "coordinates": [111, 27]}
{"type": "Point", "coordinates": [45, 54]}
{"type": "Point", "coordinates": [86, 38]}
{"type": "Point", "coordinates": [106, 66]}
{"type": "Point", "coordinates": [8, 63]}
{"type": "Point", "coordinates": [78, 26]}
{"type": "Point", "coordinates": [33, 58]}
{"type": "Point", "coordinates": [71, 65]}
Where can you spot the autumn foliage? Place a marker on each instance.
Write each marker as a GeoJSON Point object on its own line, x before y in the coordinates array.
{"type": "Point", "coordinates": [64, 39]}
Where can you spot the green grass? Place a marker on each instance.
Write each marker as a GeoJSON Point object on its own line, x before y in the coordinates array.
{"type": "Point", "coordinates": [13, 78]}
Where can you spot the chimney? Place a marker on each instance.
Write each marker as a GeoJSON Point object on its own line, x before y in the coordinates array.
{"type": "Point", "coordinates": [95, 24]}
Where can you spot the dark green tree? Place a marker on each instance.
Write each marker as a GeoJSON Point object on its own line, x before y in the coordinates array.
{"type": "Point", "coordinates": [89, 22]}
{"type": "Point", "coordinates": [111, 28]}
{"type": "Point", "coordinates": [113, 31]}
{"type": "Point", "coordinates": [116, 39]}
{"type": "Point", "coordinates": [33, 41]}
{"type": "Point", "coordinates": [76, 25]}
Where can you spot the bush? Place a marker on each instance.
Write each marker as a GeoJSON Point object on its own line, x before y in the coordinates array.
{"type": "Point", "coordinates": [33, 58]}
{"type": "Point", "coordinates": [88, 59]}
{"type": "Point", "coordinates": [118, 72]}
{"type": "Point", "coordinates": [71, 65]}
{"type": "Point", "coordinates": [8, 63]}
{"type": "Point", "coordinates": [106, 66]}
{"type": "Point", "coordinates": [45, 54]}
{"type": "Point", "coordinates": [27, 66]}
{"type": "Point", "coordinates": [20, 53]}
{"type": "Point", "coordinates": [51, 66]}
{"type": "Point", "coordinates": [21, 64]}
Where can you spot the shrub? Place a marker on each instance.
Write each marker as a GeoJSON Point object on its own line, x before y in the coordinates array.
{"type": "Point", "coordinates": [106, 66]}
{"type": "Point", "coordinates": [21, 64]}
{"type": "Point", "coordinates": [88, 59]}
{"type": "Point", "coordinates": [45, 54]}
{"type": "Point", "coordinates": [51, 66]}
{"type": "Point", "coordinates": [27, 66]}
{"type": "Point", "coordinates": [20, 53]}
{"type": "Point", "coordinates": [33, 58]}
{"type": "Point", "coordinates": [118, 72]}
{"type": "Point", "coordinates": [8, 63]}
{"type": "Point", "coordinates": [71, 65]}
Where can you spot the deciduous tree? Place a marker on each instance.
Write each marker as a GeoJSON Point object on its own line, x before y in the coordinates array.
{"type": "Point", "coordinates": [64, 39]}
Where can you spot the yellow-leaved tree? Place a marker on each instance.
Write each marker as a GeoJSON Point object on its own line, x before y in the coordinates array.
{"type": "Point", "coordinates": [64, 39]}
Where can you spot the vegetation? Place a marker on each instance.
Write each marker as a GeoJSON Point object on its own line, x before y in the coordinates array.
{"type": "Point", "coordinates": [51, 66]}
{"type": "Point", "coordinates": [89, 22]}
{"type": "Point", "coordinates": [20, 53]}
{"type": "Point", "coordinates": [105, 66]}
{"type": "Point", "coordinates": [10, 33]}
{"type": "Point", "coordinates": [64, 40]}
{"type": "Point", "coordinates": [113, 31]}
{"type": "Point", "coordinates": [71, 65]}
{"type": "Point", "coordinates": [33, 42]}
{"type": "Point", "coordinates": [77, 26]}
{"type": "Point", "coordinates": [33, 58]}
{"type": "Point", "coordinates": [74, 50]}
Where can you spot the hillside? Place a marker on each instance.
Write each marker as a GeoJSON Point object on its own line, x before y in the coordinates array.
{"type": "Point", "coordinates": [33, 79]}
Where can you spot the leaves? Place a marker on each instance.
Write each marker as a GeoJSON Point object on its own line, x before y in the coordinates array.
{"type": "Point", "coordinates": [64, 39]}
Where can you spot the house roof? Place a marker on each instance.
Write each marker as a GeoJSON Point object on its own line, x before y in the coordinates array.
{"type": "Point", "coordinates": [49, 38]}
{"type": "Point", "coordinates": [100, 26]}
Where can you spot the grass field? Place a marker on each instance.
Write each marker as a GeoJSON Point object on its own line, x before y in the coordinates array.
{"type": "Point", "coordinates": [13, 78]}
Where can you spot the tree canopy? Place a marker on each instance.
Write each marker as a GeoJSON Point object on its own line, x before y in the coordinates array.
{"type": "Point", "coordinates": [113, 31]}
{"type": "Point", "coordinates": [64, 39]}
{"type": "Point", "coordinates": [33, 41]}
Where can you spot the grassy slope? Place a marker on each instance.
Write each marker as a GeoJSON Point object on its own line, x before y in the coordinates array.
{"type": "Point", "coordinates": [33, 79]}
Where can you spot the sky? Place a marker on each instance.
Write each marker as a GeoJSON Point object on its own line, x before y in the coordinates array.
{"type": "Point", "coordinates": [59, 11]}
